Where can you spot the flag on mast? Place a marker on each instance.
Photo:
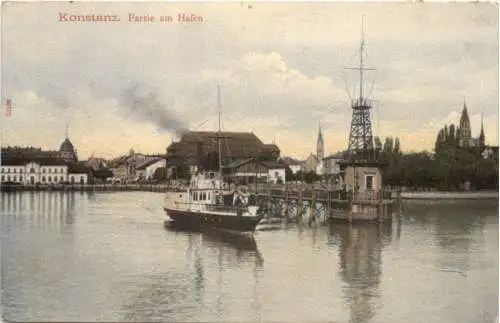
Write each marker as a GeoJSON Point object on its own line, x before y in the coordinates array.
{"type": "Point", "coordinates": [8, 107]}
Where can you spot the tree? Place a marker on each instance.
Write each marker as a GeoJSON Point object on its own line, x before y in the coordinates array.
{"type": "Point", "coordinates": [289, 176]}
{"type": "Point", "coordinates": [102, 173]}
{"type": "Point", "coordinates": [397, 146]}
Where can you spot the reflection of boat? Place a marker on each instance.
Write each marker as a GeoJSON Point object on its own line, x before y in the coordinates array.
{"type": "Point", "coordinates": [238, 241]}
{"type": "Point", "coordinates": [269, 223]}
{"type": "Point", "coordinates": [241, 243]}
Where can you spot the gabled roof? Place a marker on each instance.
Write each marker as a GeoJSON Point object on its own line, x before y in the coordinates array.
{"type": "Point", "coordinates": [78, 168]}
{"type": "Point", "coordinates": [149, 163]}
{"type": "Point", "coordinates": [266, 164]}
{"type": "Point", "coordinates": [290, 161]}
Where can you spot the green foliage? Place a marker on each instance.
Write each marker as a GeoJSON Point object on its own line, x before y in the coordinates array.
{"type": "Point", "coordinates": [102, 173]}
{"type": "Point", "coordinates": [448, 169]}
{"type": "Point", "coordinates": [289, 175]}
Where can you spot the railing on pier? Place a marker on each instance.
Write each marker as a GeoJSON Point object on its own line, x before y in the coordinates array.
{"type": "Point", "coordinates": [324, 194]}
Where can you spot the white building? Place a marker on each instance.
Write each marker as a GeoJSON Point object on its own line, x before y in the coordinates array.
{"type": "Point", "coordinates": [147, 170]}
{"type": "Point", "coordinates": [294, 165]}
{"type": "Point", "coordinates": [48, 171]}
{"type": "Point", "coordinates": [43, 172]}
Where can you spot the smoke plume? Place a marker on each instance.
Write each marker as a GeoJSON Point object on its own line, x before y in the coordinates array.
{"type": "Point", "coordinates": [143, 104]}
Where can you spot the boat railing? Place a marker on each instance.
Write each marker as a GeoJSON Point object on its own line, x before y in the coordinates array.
{"type": "Point", "coordinates": [214, 207]}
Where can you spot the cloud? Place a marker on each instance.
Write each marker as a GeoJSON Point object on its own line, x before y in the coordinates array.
{"type": "Point", "coordinates": [280, 71]}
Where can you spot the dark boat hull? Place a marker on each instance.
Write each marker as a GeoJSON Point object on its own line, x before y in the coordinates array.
{"type": "Point", "coordinates": [222, 222]}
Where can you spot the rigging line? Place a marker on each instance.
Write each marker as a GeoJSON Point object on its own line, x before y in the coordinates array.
{"type": "Point", "coordinates": [371, 88]}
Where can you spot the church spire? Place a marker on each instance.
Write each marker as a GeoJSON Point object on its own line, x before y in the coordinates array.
{"type": "Point", "coordinates": [481, 135]}
{"type": "Point", "coordinates": [320, 149]}
{"type": "Point", "coordinates": [464, 132]}
{"type": "Point", "coordinates": [67, 131]}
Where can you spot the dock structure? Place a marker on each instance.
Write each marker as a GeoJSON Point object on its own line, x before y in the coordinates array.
{"type": "Point", "coordinates": [323, 204]}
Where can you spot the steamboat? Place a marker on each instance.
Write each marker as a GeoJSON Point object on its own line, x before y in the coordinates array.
{"type": "Point", "coordinates": [211, 202]}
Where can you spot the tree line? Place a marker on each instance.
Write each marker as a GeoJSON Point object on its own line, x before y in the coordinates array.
{"type": "Point", "coordinates": [449, 168]}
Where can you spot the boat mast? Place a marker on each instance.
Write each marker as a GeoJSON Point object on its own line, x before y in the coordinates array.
{"type": "Point", "coordinates": [361, 60]}
{"type": "Point", "coordinates": [219, 112]}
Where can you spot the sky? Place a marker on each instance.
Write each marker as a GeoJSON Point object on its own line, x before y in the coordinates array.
{"type": "Point", "coordinates": [122, 85]}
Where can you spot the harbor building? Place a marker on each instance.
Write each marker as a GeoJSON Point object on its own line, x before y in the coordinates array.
{"type": "Point", "coordinates": [253, 170]}
{"type": "Point", "coordinates": [35, 166]}
{"type": "Point", "coordinates": [129, 168]}
{"type": "Point", "coordinates": [194, 146]}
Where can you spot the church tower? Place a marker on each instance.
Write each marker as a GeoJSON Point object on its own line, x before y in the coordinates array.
{"type": "Point", "coordinates": [481, 135]}
{"type": "Point", "coordinates": [464, 133]}
{"type": "Point", "coordinates": [67, 151]}
{"type": "Point", "coordinates": [320, 148]}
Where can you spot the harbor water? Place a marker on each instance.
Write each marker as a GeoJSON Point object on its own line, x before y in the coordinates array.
{"type": "Point", "coordinates": [82, 256]}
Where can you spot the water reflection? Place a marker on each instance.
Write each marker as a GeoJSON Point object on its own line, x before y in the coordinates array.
{"type": "Point", "coordinates": [46, 211]}
{"type": "Point", "coordinates": [360, 250]}
{"type": "Point", "coordinates": [231, 247]}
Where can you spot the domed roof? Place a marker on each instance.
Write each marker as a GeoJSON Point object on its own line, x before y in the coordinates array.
{"type": "Point", "coordinates": [66, 146]}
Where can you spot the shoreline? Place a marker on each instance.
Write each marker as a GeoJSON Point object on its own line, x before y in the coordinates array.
{"type": "Point", "coordinates": [161, 188]}
{"type": "Point", "coordinates": [477, 195]}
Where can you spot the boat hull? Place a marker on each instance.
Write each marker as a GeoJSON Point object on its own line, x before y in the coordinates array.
{"type": "Point", "coordinates": [223, 222]}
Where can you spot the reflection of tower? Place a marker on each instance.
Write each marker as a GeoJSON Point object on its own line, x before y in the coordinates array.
{"type": "Point", "coordinates": [360, 137]}
{"type": "Point", "coordinates": [360, 266]}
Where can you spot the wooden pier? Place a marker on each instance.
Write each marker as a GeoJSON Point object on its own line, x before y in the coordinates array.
{"type": "Point", "coordinates": [328, 204]}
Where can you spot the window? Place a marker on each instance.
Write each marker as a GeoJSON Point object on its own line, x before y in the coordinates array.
{"type": "Point", "coordinates": [209, 196]}
{"type": "Point", "coordinates": [43, 170]}
{"type": "Point", "coordinates": [3, 177]}
{"type": "Point", "coordinates": [50, 170]}
{"type": "Point", "coordinates": [369, 182]}
{"type": "Point", "coordinates": [62, 170]}
{"type": "Point", "coordinates": [50, 178]}
{"type": "Point", "coordinates": [43, 178]}
{"type": "Point", "coordinates": [8, 178]}
{"type": "Point", "coordinates": [3, 170]}
{"type": "Point", "coordinates": [61, 179]}
{"type": "Point", "coordinates": [14, 170]}
{"type": "Point", "coordinates": [32, 170]}
{"type": "Point", "coordinates": [21, 171]}
{"type": "Point", "coordinates": [8, 170]}
{"type": "Point", "coordinates": [20, 178]}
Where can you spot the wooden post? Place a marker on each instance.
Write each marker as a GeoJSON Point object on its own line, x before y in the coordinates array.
{"type": "Point", "coordinates": [299, 202]}
{"type": "Point", "coordinates": [313, 203]}
{"type": "Point", "coordinates": [268, 200]}
{"type": "Point", "coordinates": [286, 203]}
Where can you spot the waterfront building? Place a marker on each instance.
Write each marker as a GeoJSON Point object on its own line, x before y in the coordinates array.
{"type": "Point", "coordinates": [311, 163]}
{"type": "Point", "coordinates": [253, 170]}
{"type": "Point", "coordinates": [294, 165]}
{"type": "Point", "coordinates": [126, 168]}
{"type": "Point", "coordinates": [332, 163]}
{"type": "Point", "coordinates": [194, 146]}
{"type": "Point", "coordinates": [148, 169]}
